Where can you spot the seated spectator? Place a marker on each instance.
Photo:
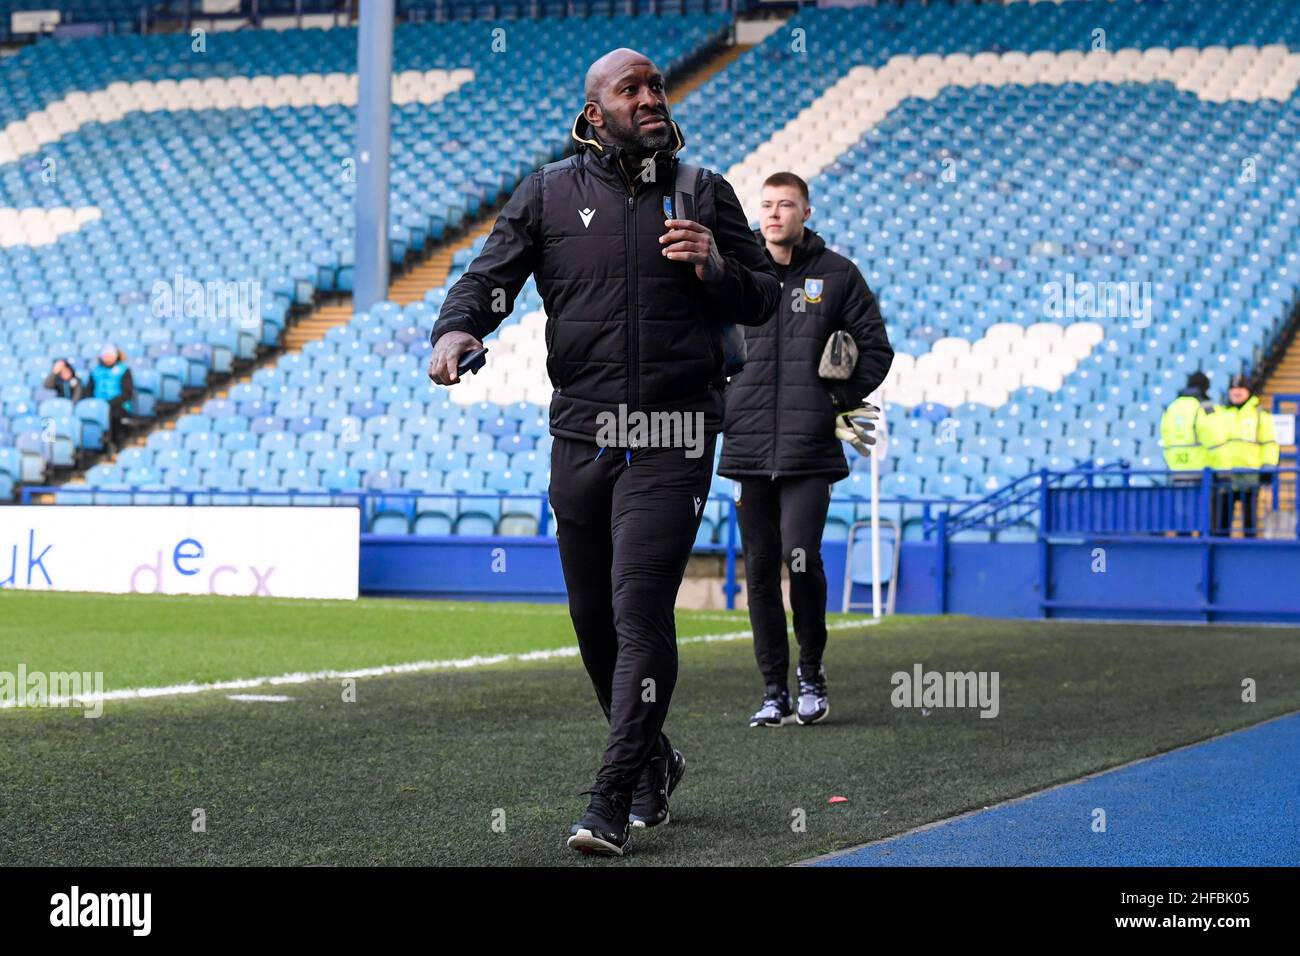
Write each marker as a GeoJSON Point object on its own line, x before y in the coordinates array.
{"type": "Point", "coordinates": [111, 381]}
{"type": "Point", "coordinates": [63, 381]}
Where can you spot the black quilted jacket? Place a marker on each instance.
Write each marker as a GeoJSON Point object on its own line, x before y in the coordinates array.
{"type": "Point", "coordinates": [780, 417]}
{"type": "Point", "coordinates": [624, 325]}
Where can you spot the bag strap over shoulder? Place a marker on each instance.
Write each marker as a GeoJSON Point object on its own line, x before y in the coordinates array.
{"type": "Point", "coordinates": [685, 190]}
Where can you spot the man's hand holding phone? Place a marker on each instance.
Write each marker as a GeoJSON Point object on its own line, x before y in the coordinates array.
{"type": "Point", "coordinates": [688, 241]}
{"type": "Point", "coordinates": [448, 353]}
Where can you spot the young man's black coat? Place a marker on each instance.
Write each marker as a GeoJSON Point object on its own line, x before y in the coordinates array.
{"type": "Point", "coordinates": [780, 418]}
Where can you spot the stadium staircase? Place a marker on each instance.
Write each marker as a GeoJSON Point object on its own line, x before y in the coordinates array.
{"type": "Point", "coordinates": [706, 70]}
{"type": "Point", "coordinates": [1282, 379]}
{"type": "Point", "coordinates": [1285, 379]}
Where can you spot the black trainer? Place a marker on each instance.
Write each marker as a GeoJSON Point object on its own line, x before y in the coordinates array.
{"type": "Point", "coordinates": [662, 773]}
{"type": "Point", "coordinates": [776, 710]}
{"type": "Point", "coordinates": [603, 829]}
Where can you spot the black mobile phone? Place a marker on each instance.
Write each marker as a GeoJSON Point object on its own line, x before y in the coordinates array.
{"type": "Point", "coordinates": [471, 362]}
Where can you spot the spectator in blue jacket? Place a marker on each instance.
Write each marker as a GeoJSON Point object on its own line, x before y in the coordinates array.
{"type": "Point", "coordinates": [111, 381]}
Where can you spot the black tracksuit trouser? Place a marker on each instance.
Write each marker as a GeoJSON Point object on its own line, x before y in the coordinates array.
{"type": "Point", "coordinates": [625, 525]}
{"type": "Point", "coordinates": [781, 522]}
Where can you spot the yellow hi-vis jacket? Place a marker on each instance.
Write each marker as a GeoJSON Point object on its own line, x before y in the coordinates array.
{"type": "Point", "coordinates": [1247, 439]}
{"type": "Point", "coordinates": [1188, 432]}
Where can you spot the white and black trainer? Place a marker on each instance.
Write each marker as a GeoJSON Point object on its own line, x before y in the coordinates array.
{"type": "Point", "coordinates": [813, 706]}
{"type": "Point", "coordinates": [775, 712]}
{"type": "Point", "coordinates": [603, 829]}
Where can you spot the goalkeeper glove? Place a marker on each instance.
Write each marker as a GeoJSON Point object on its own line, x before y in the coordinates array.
{"type": "Point", "coordinates": [856, 427]}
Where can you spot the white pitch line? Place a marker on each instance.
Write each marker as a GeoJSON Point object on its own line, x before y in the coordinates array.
{"type": "Point", "coordinates": [413, 667]}
{"type": "Point", "coordinates": [260, 698]}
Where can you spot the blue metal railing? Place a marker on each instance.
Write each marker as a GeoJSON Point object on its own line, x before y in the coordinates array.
{"type": "Point", "coordinates": [1102, 500]}
{"type": "Point", "coordinates": [1135, 504]}
{"type": "Point", "coordinates": [1007, 507]}
{"type": "Point", "coordinates": [1113, 501]}
{"type": "Point", "coordinates": [1016, 504]}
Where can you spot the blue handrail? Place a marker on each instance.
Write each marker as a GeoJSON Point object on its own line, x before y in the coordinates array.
{"type": "Point", "coordinates": [1109, 500]}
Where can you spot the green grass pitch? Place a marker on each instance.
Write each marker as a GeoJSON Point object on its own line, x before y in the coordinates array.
{"type": "Point", "coordinates": [483, 764]}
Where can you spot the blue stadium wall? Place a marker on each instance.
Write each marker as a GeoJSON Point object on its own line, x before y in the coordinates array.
{"type": "Point", "coordinates": [1131, 578]}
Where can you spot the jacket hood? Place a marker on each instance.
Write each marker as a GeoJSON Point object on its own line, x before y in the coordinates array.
{"type": "Point", "coordinates": [585, 140]}
{"type": "Point", "coordinates": [809, 246]}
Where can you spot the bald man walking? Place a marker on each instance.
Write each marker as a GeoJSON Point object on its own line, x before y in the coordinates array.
{"type": "Point", "coordinates": [637, 293]}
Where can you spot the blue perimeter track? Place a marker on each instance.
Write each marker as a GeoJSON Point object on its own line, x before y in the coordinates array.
{"type": "Point", "coordinates": [1230, 801]}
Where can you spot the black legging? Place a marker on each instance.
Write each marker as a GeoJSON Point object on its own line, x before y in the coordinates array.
{"type": "Point", "coordinates": [781, 522]}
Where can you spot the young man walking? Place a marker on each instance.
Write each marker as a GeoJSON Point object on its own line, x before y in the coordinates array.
{"type": "Point", "coordinates": [780, 443]}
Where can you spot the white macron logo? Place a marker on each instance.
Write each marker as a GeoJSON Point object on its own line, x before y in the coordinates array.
{"type": "Point", "coordinates": [697, 505]}
{"type": "Point", "coordinates": [585, 215]}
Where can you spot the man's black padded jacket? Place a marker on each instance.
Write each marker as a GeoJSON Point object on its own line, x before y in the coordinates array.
{"type": "Point", "coordinates": [625, 325]}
